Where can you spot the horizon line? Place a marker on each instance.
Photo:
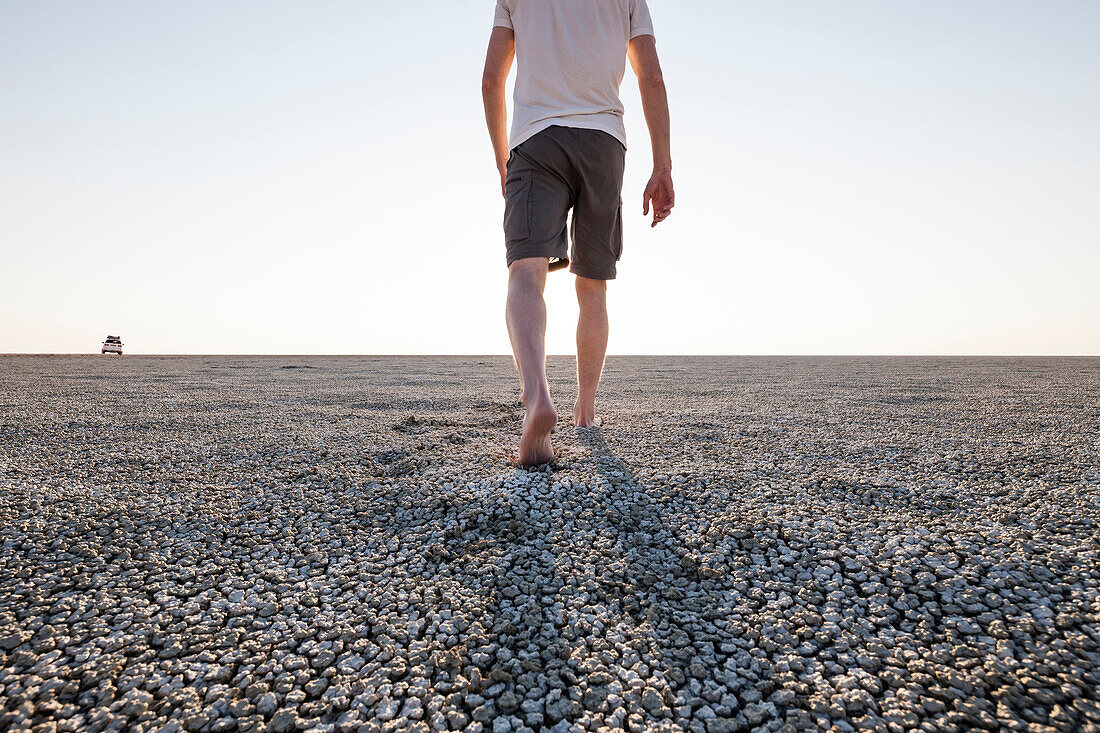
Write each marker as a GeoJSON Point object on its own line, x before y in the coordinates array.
{"type": "Point", "coordinates": [570, 355]}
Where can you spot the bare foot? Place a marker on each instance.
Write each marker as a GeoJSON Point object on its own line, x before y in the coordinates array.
{"type": "Point", "coordinates": [538, 422]}
{"type": "Point", "coordinates": [585, 417]}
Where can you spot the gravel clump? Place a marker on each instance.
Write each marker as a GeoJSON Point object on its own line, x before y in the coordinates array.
{"type": "Point", "coordinates": [749, 544]}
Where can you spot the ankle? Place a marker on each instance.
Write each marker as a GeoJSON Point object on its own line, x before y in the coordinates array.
{"type": "Point", "coordinates": [537, 396]}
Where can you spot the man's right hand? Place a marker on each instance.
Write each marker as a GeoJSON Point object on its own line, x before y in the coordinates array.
{"type": "Point", "coordinates": [503, 169]}
{"type": "Point", "coordinates": [660, 194]}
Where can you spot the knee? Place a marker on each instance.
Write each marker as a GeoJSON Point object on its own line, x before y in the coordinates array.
{"type": "Point", "coordinates": [589, 289]}
{"type": "Point", "coordinates": [528, 274]}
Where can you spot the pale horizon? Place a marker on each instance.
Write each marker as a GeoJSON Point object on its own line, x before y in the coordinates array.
{"type": "Point", "coordinates": [426, 355]}
{"type": "Point", "coordinates": [853, 179]}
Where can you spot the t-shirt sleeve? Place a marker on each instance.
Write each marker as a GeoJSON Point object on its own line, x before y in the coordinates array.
{"type": "Point", "coordinates": [640, 22]}
{"type": "Point", "coordinates": [503, 16]}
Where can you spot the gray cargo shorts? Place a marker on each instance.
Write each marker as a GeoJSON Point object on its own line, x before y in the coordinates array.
{"type": "Point", "coordinates": [559, 169]}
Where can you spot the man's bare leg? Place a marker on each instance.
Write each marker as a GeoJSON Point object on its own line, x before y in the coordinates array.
{"type": "Point", "coordinates": [526, 317]}
{"type": "Point", "coordinates": [591, 347]}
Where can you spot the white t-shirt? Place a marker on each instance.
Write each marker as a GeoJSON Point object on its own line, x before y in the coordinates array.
{"type": "Point", "coordinates": [572, 57]}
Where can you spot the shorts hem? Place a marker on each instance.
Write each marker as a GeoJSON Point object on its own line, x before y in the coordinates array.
{"type": "Point", "coordinates": [592, 274]}
{"type": "Point", "coordinates": [520, 253]}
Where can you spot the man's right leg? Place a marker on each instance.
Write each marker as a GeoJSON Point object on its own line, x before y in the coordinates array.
{"type": "Point", "coordinates": [597, 244]}
{"type": "Point", "coordinates": [591, 347]}
{"type": "Point", "coordinates": [526, 317]}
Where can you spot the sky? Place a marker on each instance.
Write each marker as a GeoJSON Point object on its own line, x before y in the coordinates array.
{"type": "Point", "coordinates": [872, 177]}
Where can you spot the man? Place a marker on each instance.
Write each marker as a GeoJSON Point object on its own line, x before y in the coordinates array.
{"type": "Point", "coordinates": [567, 150]}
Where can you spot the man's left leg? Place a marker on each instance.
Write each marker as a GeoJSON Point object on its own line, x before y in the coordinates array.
{"type": "Point", "coordinates": [525, 314]}
{"type": "Point", "coordinates": [592, 332]}
{"type": "Point", "coordinates": [536, 210]}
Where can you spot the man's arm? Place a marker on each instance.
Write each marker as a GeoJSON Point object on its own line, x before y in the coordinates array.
{"type": "Point", "coordinates": [642, 53]}
{"type": "Point", "coordinates": [498, 62]}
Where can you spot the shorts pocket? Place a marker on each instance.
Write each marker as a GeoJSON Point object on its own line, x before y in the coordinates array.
{"type": "Point", "coordinates": [517, 208]}
{"type": "Point", "coordinates": [618, 234]}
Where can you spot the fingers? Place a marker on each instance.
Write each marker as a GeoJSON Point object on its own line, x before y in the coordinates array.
{"type": "Point", "coordinates": [658, 193]}
{"type": "Point", "coordinates": [660, 213]}
{"type": "Point", "coordinates": [662, 206]}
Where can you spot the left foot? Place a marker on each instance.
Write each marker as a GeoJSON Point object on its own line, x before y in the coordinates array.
{"type": "Point", "coordinates": [538, 422]}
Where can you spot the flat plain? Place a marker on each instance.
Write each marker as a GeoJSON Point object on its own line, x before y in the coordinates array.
{"type": "Point", "coordinates": [345, 543]}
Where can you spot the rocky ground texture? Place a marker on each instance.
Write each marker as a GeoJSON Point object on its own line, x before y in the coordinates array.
{"type": "Point", "coordinates": [344, 544]}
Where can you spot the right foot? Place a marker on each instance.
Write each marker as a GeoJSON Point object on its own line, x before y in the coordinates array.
{"type": "Point", "coordinates": [585, 417]}
{"type": "Point", "coordinates": [538, 422]}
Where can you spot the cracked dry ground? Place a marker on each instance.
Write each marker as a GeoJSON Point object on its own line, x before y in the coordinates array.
{"type": "Point", "coordinates": [770, 544]}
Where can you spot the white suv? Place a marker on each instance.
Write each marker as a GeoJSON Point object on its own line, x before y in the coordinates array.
{"type": "Point", "coordinates": [112, 345]}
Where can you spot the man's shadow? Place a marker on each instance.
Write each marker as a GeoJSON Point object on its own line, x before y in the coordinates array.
{"type": "Point", "coordinates": [681, 596]}
{"type": "Point", "coordinates": [670, 599]}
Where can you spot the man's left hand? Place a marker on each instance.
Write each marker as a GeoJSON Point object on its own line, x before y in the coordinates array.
{"type": "Point", "coordinates": [660, 194]}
